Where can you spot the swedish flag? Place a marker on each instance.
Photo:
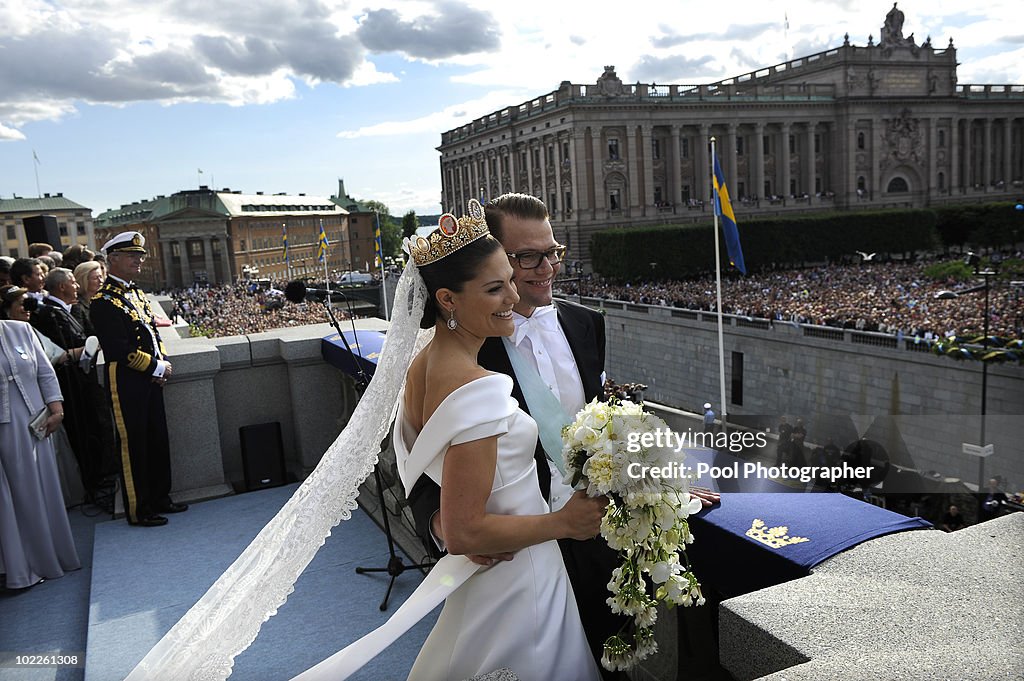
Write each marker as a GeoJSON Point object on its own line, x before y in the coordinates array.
{"type": "Point", "coordinates": [379, 248]}
{"type": "Point", "coordinates": [321, 251]}
{"type": "Point", "coordinates": [723, 209]}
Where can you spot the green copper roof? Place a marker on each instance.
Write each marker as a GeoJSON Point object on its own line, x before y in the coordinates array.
{"type": "Point", "coordinates": [45, 203]}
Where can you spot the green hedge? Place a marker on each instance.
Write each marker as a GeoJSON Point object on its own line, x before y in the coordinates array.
{"type": "Point", "coordinates": [980, 225]}
{"type": "Point", "coordinates": [680, 251]}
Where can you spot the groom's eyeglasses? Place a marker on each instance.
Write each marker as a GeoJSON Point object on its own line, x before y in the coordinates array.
{"type": "Point", "coordinates": [530, 260]}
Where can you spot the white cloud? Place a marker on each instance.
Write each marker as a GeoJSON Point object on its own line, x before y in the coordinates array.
{"type": "Point", "coordinates": [447, 118]}
{"type": "Point", "coordinates": [10, 134]}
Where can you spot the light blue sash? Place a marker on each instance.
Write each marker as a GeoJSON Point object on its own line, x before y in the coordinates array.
{"type": "Point", "coordinates": [545, 408]}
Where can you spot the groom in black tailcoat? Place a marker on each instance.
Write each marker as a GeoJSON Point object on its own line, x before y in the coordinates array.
{"type": "Point", "coordinates": [565, 343]}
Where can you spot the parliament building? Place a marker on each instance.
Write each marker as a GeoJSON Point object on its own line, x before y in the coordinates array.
{"type": "Point", "coordinates": [881, 125]}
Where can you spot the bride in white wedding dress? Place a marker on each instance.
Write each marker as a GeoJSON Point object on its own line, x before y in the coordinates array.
{"type": "Point", "coordinates": [458, 424]}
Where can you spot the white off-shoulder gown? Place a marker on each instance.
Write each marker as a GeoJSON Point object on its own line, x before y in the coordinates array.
{"type": "Point", "coordinates": [519, 614]}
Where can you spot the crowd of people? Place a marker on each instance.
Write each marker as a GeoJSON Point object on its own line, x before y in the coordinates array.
{"type": "Point", "coordinates": [236, 309]}
{"type": "Point", "coordinates": [895, 298]}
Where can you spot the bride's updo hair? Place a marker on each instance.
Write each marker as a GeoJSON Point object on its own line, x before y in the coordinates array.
{"type": "Point", "coordinates": [452, 272]}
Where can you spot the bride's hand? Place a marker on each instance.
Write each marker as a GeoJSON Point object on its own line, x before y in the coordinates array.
{"type": "Point", "coordinates": [582, 516]}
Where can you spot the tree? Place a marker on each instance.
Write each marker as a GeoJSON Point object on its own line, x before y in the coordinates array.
{"type": "Point", "coordinates": [390, 231]}
{"type": "Point", "coordinates": [409, 223]}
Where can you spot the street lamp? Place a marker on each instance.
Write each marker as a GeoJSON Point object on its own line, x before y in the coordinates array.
{"type": "Point", "coordinates": [973, 260]}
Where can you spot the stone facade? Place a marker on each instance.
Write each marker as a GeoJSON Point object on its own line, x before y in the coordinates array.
{"type": "Point", "coordinates": [73, 220]}
{"type": "Point", "coordinates": [209, 236]}
{"type": "Point", "coordinates": [843, 383]}
{"type": "Point", "coordinates": [873, 126]}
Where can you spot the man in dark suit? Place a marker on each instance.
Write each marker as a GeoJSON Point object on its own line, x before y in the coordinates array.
{"type": "Point", "coordinates": [137, 369]}
{"type": "Point", "coordinates": [565, 344]}
{"type": "Point", "coordinates": [78, 383]}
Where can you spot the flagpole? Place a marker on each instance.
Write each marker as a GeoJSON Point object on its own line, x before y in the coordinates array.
{"type": "Point", "coordinates": [718, 288]}
{"type": "Point", "coordinates": [35, 167]}
{"type": "Point", "coordinates": [379, 245]}
{"type": "Point", "coordinates": [287, 255]}
{"type": "Point", "coordinates": [327, 279]}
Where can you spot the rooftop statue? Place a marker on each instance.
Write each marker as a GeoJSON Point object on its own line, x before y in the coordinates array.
{"type": "Point", "coordinates": [892, 31]}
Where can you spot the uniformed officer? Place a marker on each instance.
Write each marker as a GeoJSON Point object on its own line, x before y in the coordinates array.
{"type": "Point", "coordinates": [136, 370]}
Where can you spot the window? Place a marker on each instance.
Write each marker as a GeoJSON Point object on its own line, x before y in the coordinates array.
{"type": "Point", "coordinates": [739, 146]}
{"type": "Point", "coordinates": [657, 196]}
{"type": "Point", "coordinates": [817, 143]}
{"type": "Point", "coordinates": [792, 144]}
{"type": "Point", "coordinates": [613, 200]}
{"type": "Point", "coordinates": [536, 158]}
{"type": "Point", "coordinates": [195, 248]}
{"type": "Point", "coordinates": [942, 139]}
{"type": "Point", "coordinates": [522, 160]}
{"type": "Point", "coordinates": [684, 149]}
{"type": "Point", "coordinates": [767, 188]}
{"type": "Point", "coordinates": [655, 149]}
{"type": "Point", "coordinates": [613, 149]}
{"type": "Point", "coordinates": [817, 185]}
{"type": "Point", "coordinates": [765, 145]}
{"type": "Point", "coordinates": [11, 236]}
{"type": "Point", "coordinates": [241, 245]}
{"type": "Point", "coordinates": [737, 378]}
{"type": "Point", "coordinates": [176, 249]}
{"type": "Point", "coordinates": [861, 184]}
{"type": "Point", "coordinates": [942, 181]}
{"type": "Point", "coordinates": [565, 151]}
{"type": "Point", "coordinates": [63, 229]}
{"type": "Point", "coordinates": [568, 201]}
{"type": "Point", "coordinates": [860, 140]}
{"type": "Point", "coordinates": [898, 185]}
{"type": "Point", "coordinates": [686, 192]}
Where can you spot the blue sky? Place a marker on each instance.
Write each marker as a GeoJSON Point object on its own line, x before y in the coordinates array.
{"type": "Point", "coordinates": [122, 101]}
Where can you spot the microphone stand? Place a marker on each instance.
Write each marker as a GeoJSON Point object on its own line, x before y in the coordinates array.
{"type": "Point", "coordinates": [396, 566]}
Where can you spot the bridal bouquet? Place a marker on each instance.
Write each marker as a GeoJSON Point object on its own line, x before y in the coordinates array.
{"type": "Point", "coordinates": [645, 520]}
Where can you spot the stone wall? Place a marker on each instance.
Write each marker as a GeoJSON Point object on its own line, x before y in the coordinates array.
{"type": "Point", "coordinates": [837, 381]}
{"type": "Point", "coordinates": [220, 385]}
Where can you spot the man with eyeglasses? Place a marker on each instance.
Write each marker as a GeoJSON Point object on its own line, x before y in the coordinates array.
{"type": "Point", "coordinates": [136, 372]}
{"type": "Point", "coordinates": [556, 361]}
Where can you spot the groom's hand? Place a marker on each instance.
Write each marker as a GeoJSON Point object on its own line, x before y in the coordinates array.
{"type": "Point", "coordinates": [490, 560]}
{"type": "Point", "coordinates": [706, 496]}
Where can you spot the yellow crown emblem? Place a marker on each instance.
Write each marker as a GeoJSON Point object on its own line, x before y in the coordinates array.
{"type": "Point", "coordinates": [775, 537]}
{"type": "Point", "coordinates": [451, 235]}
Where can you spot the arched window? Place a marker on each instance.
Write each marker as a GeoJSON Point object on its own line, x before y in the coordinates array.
{"type": "Point", "coordinates": [898, 185]}
{"type": "Point", "coordinates": [942, 182]}
{"type": "Point", "coordinates": [861, 183]}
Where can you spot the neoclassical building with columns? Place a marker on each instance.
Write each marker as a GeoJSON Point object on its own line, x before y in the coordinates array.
{"type": "Point", "coordinates": [218, 236]}
{"type": "Point", "coordinates": [880, 125]}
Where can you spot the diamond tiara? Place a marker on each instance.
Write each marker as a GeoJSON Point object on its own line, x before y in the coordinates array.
{"type": "Point", "coordinates": [451, 235]}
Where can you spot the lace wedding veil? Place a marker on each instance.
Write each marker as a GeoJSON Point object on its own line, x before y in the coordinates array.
{"type": "Point", "coordinates": [225, 621]}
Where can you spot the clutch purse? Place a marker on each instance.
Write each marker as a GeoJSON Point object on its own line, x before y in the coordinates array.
{"type": "Point", "coordinates": [37, 426]}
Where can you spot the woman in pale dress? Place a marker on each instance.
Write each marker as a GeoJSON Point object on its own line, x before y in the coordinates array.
{"type": "Point", "coordinates": [35, 536]}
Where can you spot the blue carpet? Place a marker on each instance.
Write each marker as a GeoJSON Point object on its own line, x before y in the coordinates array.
{"type": "Point", "coordinates": [145, 579]}
{"type": "Point", "coordinates": [51, 617]}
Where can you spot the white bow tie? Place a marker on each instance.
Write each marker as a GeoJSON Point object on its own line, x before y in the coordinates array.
{"type": "Point", "coordinates": [543, 319]}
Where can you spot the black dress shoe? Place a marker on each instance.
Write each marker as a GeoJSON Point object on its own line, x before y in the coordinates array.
{"type": "Point", "coordinates": [150, 521]}
{"type": "Point", "coordinates": [171, 507]}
